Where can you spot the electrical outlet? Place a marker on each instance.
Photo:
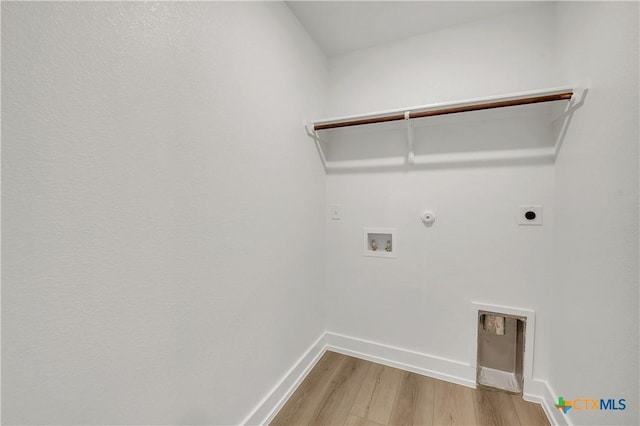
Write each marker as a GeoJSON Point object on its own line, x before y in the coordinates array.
{"type": "Point", "coordinates": [530, 215]}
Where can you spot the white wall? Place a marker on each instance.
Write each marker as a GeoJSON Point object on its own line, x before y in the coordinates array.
{"type": "Point", "coordinates": [162, 209]}
{"type": "Point", "coordinates": [507, 53]}
{"type": "Point", "coordinates": [475, 251]}
{"type": "Point", "coordinates": [594, 339]}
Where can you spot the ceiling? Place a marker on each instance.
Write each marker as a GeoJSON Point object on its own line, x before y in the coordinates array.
{"type": "Point", "coordinates": [343, 26]}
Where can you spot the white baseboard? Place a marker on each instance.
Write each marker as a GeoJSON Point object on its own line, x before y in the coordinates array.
{"type": "Point", "coordinates": [427, 365]}
{"type": "Point", "coordinates": [534, 391]}
{"type": "Point", "coordinates": [266, 410]}
{"type": "Point", "coordinates": [556, 417]}
{"type": "Point", "coordinates": [540, 392]}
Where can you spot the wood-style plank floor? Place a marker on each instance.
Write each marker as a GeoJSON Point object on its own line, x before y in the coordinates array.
{"type": "Point", "coordinates": [342, 390]}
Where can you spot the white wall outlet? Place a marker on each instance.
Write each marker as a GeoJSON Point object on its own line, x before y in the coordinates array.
{"type": "Point", "coordinates": [530, 215]}
{"type": "Point", "coordinates": [335, 211]}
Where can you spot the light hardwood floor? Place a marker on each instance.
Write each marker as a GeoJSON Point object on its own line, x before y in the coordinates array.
{"type": "Point", "coordinates": [342, 390]}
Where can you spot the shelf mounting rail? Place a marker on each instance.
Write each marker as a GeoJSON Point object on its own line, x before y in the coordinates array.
{"type": "Point", "coordinates": [442, 109]}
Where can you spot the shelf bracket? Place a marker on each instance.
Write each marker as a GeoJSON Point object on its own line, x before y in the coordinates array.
{"type": "Point", "coordinates": [309, 127]}
{"type": "Point", "coordinates": [563, 120]}
{"type": "Point", "coordinates": [411, 157]}
{"type": "Point", "coordinates": [577, 100]}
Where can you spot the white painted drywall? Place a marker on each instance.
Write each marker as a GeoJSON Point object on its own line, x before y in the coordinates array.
{"type": "Point", "coordinates": [163, 210]}
{"type": "Point", "coordinates": [345, 26]}
{"type": "Point", "coordinates": [475, 251]}
{"type": "Point", "coordinates": [508, 53]}
{"type": "Point", "coordinates": [594, 337]}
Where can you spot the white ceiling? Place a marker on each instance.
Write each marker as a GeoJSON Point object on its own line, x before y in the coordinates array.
{"type": "Point", "coordinates": [343, 26]}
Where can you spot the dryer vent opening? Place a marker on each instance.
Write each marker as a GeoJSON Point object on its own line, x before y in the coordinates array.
{"type": "Point", "coordinates": [500, 351]}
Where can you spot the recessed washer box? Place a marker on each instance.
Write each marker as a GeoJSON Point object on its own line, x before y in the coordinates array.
{"type": "Point", "coordinates": [380, 242]}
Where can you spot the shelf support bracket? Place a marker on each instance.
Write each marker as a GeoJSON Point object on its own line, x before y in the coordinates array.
{"type": "Point", "coordinates": [577, 100]}
{"type": "Point", "coordinates": [580, 93]}
{"type": "Point", "coordinates": [309, 127]}
{"type": "Point", "coordinates": [411, 157]}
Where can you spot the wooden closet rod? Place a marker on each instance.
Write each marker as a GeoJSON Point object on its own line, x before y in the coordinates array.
{"type": "Point", "coordinates": [450, 110]}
